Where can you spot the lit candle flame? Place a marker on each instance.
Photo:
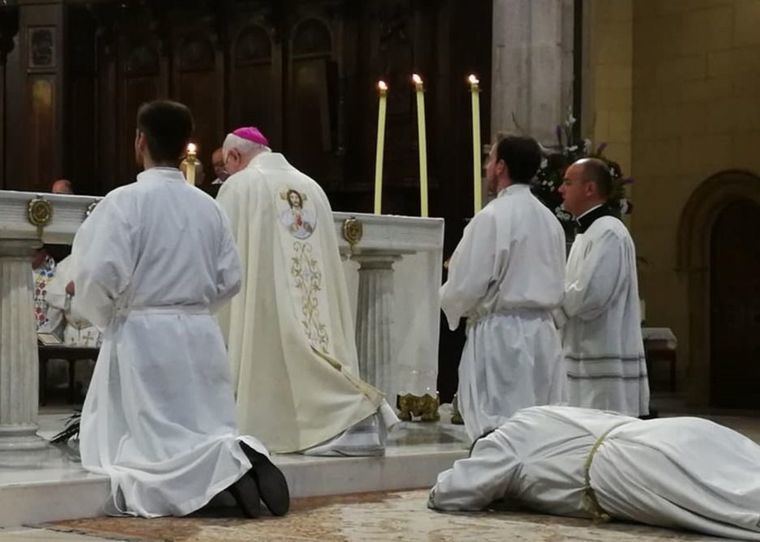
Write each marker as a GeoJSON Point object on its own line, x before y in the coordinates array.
{"type": "Point", "coordinates": [382, 86]}
{"type": "Point", "coordinates": [473, 79]}
{"type": "Point", "coordinates": [191, 149]}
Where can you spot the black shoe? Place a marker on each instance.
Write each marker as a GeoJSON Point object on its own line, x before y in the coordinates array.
{"type": "Point", "coordinates": [271, 482]}
{"type": "Point", "coordinates": [246, 493]}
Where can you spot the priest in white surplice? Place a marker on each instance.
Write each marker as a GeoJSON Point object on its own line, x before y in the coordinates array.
{"type": "Point", "coordinates": [150, 264]}
{"type": "Point", "coordinates": [290, 330]}
{"type": "Point", "coordinates": [602, 342]}
{"type": "Point", "coordinates": [506, 276]}
{"type": "Point", "coordinates": [671, 472]}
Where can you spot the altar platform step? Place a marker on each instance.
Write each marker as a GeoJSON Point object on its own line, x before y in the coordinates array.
{"type": "Point", "coordinates": [58, 488]}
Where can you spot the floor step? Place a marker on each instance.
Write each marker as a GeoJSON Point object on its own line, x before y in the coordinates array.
{"type": "Point", "coordinates": [58, 488]}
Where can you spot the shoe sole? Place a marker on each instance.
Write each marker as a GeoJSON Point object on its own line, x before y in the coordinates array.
{"type": "Point", "coordinates": [273, 488]}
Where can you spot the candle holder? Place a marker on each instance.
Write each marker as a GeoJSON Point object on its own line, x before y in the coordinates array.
{"type": "Point", "coordinates": [423, 407]}
{"type": "Point", "coordinates": [190, 162]}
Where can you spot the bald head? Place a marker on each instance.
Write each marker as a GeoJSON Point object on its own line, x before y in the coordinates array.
{"type": "Point", "coordinates": [62, 186]}
{"type": "Point", "coordinates": [587, 183]}
{"type": "Point", "coordinates": [597, 172]}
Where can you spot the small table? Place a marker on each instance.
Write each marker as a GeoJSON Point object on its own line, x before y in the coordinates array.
{"type": "Point", "coordinates": [71, 354]}
{"type": "Point", "coordinates": [660, 344]}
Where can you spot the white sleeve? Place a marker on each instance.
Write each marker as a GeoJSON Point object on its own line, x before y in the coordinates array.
{"type": "Point", "coordinates": [601, 275]}
{"type": "Point", "coordinates": [103, 261]}
{"type": "Point", "coordinates": [229, 272]}
{"type": "Point", "coordinates": [479, 480]}
{"type": "Point", "coordinates": [471, 269]}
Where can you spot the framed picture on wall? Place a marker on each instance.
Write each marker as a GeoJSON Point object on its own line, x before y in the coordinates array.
{"type": "Point", "coordinates": [41, 48]}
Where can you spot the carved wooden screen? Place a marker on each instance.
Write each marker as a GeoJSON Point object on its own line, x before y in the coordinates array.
{"type": "Point", "coordinates": [304, 71]}
{"type": "Point", "coordinates": [198, 82]}
{"type": "Point", "coordinates": [311, 109]}
{"type": "Point", "coordinates": [141, 80]}
{"type": "Point", "coordinates": [83, 159]}
{"type": "Point", "coordinates": [255, 82]}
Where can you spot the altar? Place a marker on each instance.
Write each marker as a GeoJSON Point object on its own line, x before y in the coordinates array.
{"type": "Point", "coordinates": [392, 264]}
{"type": "Point", "coordinates": [393, 269]}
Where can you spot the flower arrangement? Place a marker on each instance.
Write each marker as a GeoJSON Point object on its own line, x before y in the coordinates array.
{"type": "Point", "coordinates": [558, 158]}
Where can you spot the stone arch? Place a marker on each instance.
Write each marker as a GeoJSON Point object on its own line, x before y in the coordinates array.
{"type": "Point", "coordinates": [702, 209]}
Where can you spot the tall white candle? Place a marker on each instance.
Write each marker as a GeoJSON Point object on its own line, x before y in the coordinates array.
{"type": "Point", "coordinates": [382, 89]}
{"type": "Point", "coordinates": [420, 91]}
{"type": "Point", "coordinates": [477, 169]}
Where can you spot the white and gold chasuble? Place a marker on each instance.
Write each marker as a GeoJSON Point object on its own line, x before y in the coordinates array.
{"type": "Point", "coordinates": [290, 330]}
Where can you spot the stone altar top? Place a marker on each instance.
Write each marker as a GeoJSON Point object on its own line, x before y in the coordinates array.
{"type": "Point", "coordinates": [68, 212]}
{"type": "Point", "coordinates": [413, 244]}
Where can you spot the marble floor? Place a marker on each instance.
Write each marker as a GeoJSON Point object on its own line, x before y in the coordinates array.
{"type": "Point", "coordinates": [388, 515]}
{"type": "Point", "coordinates": [391, 516]}
{"type": "Point", "coordinates": [53, 486]}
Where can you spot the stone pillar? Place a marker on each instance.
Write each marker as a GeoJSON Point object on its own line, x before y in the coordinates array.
{"type": "Point", "coordinates": [532, 75]}
{"type": "Point", "coordinates": [374, 318]}
{"type": "Point", "coordinates": [19, 365]}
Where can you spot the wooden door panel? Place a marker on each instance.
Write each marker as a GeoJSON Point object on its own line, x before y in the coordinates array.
{"type": "Point", "coordinates": [735, 307]}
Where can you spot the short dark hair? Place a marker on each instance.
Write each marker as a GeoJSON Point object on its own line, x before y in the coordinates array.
{"type": "Point", "coordinates": [522, 155]}
{"type": "Point", "coordinates": [598, 172]}
{"type": "Point", "coordinates": [167, 126]}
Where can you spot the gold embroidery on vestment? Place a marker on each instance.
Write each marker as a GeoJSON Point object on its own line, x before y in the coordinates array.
{"type": "Point", "coordinates": [308, 279]}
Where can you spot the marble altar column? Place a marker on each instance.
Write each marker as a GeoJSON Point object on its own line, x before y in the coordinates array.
{"type": "Point", "coordinates": [19, 366]}
{"type": "Point", "coordinates": [532, 66]}
{"type": "Point", "coordinates": [374, 320]}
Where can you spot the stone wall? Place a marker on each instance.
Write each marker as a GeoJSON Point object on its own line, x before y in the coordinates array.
{"type": "Point", "coordinates": [607, 77]}
{"type": "Point", "coordinates": [691, 112]}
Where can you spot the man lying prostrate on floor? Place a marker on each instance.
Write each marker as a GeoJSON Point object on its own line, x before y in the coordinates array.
{"type": "Point", "coordinates": [671, 472]}
{"type": "Point", "coordinates": [151, 263]}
